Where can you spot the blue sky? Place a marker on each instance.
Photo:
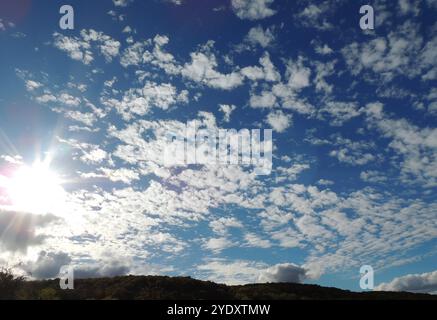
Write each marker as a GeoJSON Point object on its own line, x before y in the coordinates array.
{"type": "Point", "coordinates": [354, 140]}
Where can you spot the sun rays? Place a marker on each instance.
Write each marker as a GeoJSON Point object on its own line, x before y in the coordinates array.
{"type": "Point", "coordinates": [35, 189]}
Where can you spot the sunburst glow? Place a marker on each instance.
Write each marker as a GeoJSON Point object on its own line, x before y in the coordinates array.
{"type": "Point", "coordinates": [36, 189]}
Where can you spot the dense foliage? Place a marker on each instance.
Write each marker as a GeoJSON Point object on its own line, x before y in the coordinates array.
{"type": "Point", "coordinates": [161, 287]}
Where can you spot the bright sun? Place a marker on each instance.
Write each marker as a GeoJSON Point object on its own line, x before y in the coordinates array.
{"type": "Point", "coordinates": [36, 189]}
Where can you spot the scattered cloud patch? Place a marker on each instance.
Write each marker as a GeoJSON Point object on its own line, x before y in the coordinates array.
{"type": "Point", "coordinates": [252, 9]}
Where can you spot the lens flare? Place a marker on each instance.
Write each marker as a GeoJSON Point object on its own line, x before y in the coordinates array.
{"type": "Point", "coordinates": [36, 189]}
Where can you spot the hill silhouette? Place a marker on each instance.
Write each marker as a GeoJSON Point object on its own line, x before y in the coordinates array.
{"type": "Point", "coordinates": [182, 288]}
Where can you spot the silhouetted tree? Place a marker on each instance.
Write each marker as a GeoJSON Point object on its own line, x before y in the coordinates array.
{"type": "Point", "coordinates": [9, 284]}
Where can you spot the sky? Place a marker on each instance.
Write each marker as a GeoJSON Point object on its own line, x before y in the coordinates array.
{"type": "Point", "coordinates": [84, 115]}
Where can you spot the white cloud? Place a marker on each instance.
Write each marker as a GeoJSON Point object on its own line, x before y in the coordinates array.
{"type": "Point", "coordinates": [314, 15]}
{"type": "Point", "coordinates": [324, 50]}
{"type": "Point", "coordinates": [163, 95]}
{"type": "Point", "coordinates": [141, 101]}
{"type": "Point", "coordinates": [267, 71]}
{"type": "Point", "coordinates": [252, 9]}
{"type": "Point", "coordinates": [124, 175]}
{"type": "Point", "coordinates": [285, 94]}
{"type": "Point", "coordinates": [227, 111]}
{"type": "Point", "coordinates": [46, 98]}
{"type": "Point", "coordinates": [151, 51]}
{"type": "Point", "coordinates": [417, 146]}
{"type": "Point", "coordinates": [4, 25]}
{"type": "Point", "coordinates": [419, 283]}
{"type": "Point", "coordinates": [87, 152]}
{"type": "Point", "coordinates": [201, 69]}
{"type": "Point", "coordinates": [221, 225]}
{"type": "Point", "coordinates": [409, 6]}
{"type": "Point", "coordinates": [324, 70]}
{"type": "Point", "coordinates": [432, 98]}
{"type": "Point", "coordinates": [175, 2]}
{"type": "Point", "coordinates": [127, 29]}
{"type": "Point", "coordinates": [339, 112]}
{"type": "Point", "coordinates": [290, 99]}
{"type": "Point", "coordinates": [32, 85]}
{"type": "Point", "coordinates": [79, 86]}
{"type": "Point", "coordinates": [242, 271]}
{"type": "Point", "coordinates": [255, 241]}
{"type": "Point", "coordinates": [87, 119]}
{"type": "Point", "coordinates": [372, 176]}
{"type": "Point", "coordinates": [13, 159]}
{"type": "Point", "coordinates": [133, 55]}
{"type": "Point", "coordinates": [394, 55]}
{"type": "Point", "coordinates": [121, 3]}
{"type": "Point", "coordinates": [76, 128]}
{"type": "Point", "coordinates": [270, 71]}
{"type": "Point", "coordinates": [81, 48]}
{"type": "Point", "coordinates": [231, 272]}
{"type": "Point", "coordinates": [279, 121]}
{"type": "Point", "coordinates": [265, 100]}
{"type": "Point", "coordinates": [258, 36]}
{"type": "Point", "coordinates": [218, 244]}
{"type": "Point", "coordinates": [76, 48]}
{"type": "Point", "coordinates": [325, 182]}
{"type": "Point", "coordinates": [108, 47]}
{"type": "Point", "coordinates": [298, 75]}
{"type": "Point", "coordinates": [371, 234]}
{"type": "Point", "coordinates": [355, 153]}
{"type": "Point", "coordinates": [291, 173]}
